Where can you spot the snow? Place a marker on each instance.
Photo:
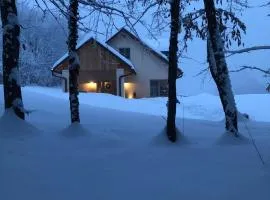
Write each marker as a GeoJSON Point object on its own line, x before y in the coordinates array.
{"type": "Point", "coordinates": [14, 75]}
{"type": "Point", "coordinates": [148, 44]}
{"type": "Point", "coordinates": [119, 154]}
{"type": "Point", "coordinates": [12, 21]}
{"type": "Point", "coordinates": [75, 60]}
{"type": "Point", "coordinates": [8, 130]}
{"type": "Point", "coordinates": [17, 103]}
{"type": "Point", "coordinates": [203, 106]}
{"type": "Point", "coordinates": [87, 38]}
{"type": "Point", "coordinates": [115, 52]}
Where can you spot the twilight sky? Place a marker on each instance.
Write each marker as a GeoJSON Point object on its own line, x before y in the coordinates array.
{"type": "Point", "coordinates": [258, 33]}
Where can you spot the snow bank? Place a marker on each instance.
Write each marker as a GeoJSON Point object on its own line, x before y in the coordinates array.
{"type": "Point", "coordinates": [12, 126]}
{"type": "Point", "coordinates": [229, 139]}
{"type": "Point", "coordinates": [161, 140]}
{"type": "Point", "coordinates": [116, 154]}
{"type": "Point", "coordinates": [203, 106]}
{"type": "Point", "coordinates": [74, 130]}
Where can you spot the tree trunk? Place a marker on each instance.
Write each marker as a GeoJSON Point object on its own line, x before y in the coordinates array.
{"type": "Point", "coordinates": [11, 51]}
{"type": "Point", "coordinates": [74, 64]}
{"type": "Point", "coordinates": [219, 69]}
{"type": "Point", "coordinates": [172, 74]}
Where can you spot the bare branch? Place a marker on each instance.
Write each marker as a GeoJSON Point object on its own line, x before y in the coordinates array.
{"type": "Point", "coordinates": [247, 50]}
{"type": "Point", "coordinates": [202, 72]}
{"type": "Point", "coordinates": [252, 68]}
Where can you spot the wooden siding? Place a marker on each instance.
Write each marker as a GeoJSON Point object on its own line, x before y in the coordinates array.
{"type": "Point", "coordinates": [95, 58]}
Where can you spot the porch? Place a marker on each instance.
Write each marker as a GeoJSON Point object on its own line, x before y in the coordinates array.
{"type": "Point", "coordinates": [111, 82]}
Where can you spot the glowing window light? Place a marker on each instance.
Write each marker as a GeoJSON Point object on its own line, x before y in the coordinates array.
{"type": "Point", "coordinates": [130, 96]}
{"type": "Point", "coordinates": [127, 86]}
{"type": "Point", "coordinates": [91, 86]}
{"type": "Point", "coordinates": [129, 89]}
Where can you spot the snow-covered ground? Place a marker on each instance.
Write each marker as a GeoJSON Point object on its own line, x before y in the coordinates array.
{"type": "Point", "coordinates": [120, 152]}
{"type": "Point", "coordinates": [203, 106]}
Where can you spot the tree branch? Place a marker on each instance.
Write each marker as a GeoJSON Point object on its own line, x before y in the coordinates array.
{"type": "Point", "coordinates": [267, 72]}
{"type": "Point", "coordinates": [247, 50]}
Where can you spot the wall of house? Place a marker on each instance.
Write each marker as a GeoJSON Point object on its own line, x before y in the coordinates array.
{"type": "Point", "coordinates": [148, 66]}
{"type": "Point", "coordinates": [96, 64]}
{"type": "Point", "coordinates": [65, 81]}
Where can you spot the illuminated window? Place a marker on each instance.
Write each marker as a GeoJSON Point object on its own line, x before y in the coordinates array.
{"type": "Point", "coordinates": [90, 87]}
{"type": "Point", "coordinates": [129, 90]}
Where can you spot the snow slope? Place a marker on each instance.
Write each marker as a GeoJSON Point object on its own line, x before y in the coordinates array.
{"type": "Point", "coordinates": [123, 155]}
{"type": "Point", "coordinates": [203, 106]}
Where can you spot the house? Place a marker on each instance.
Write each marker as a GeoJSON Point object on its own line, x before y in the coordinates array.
{"type": "Point", "coordinates": [124, 65]}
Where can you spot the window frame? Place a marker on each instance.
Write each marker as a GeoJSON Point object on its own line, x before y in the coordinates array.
{"type": "Point", "coordinates": [125, 51]}
{"type": "Point", "coordinates": [158, 84]}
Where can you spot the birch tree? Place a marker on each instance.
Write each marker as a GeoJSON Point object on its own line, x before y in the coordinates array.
{"type": "Point", "coordinates": [219, 69]}
{"type": "Point", "coordinates": [74, 64]}
{"type": "Point", "coordinates": [222, 27]}
{"type": "Point", "coordinates": [11, 51]}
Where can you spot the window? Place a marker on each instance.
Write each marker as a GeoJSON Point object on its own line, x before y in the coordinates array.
{"type": "Point", "coordinates": [125, 52]}
{"type": "Point", "coordinates": [158, 88]}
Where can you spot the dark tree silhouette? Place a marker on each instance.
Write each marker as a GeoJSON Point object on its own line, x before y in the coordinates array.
{"type": "Point", "coordinates": [172, 75]}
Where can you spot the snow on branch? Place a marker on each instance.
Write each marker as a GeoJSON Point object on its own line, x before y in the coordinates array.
{"type": "Point", "coordinates": [242, 68]}
{"type": "Point", "coordinates": [247, 50]}
{"type": "Point", "coordinates": [74, 61]}
{"type": "Point", "coordinates": [252, 68]}
{"type": "Point", "coordinates": [202, 72]}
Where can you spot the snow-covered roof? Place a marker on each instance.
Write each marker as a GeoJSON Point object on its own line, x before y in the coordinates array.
{"type": "Point", "coordinates": [145, 44]}
{"type": "Point", "coordinates": [88, 38]}
{"type": "Point", "coordinates": [115, 52]}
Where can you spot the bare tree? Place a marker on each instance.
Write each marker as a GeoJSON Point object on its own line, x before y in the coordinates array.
{"type": "Point", "coordinates": [103, 15]}
{"type": "Point", "coordinates": [74, 63]}
{"type": "Point", "coordinates": [11, 51]}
